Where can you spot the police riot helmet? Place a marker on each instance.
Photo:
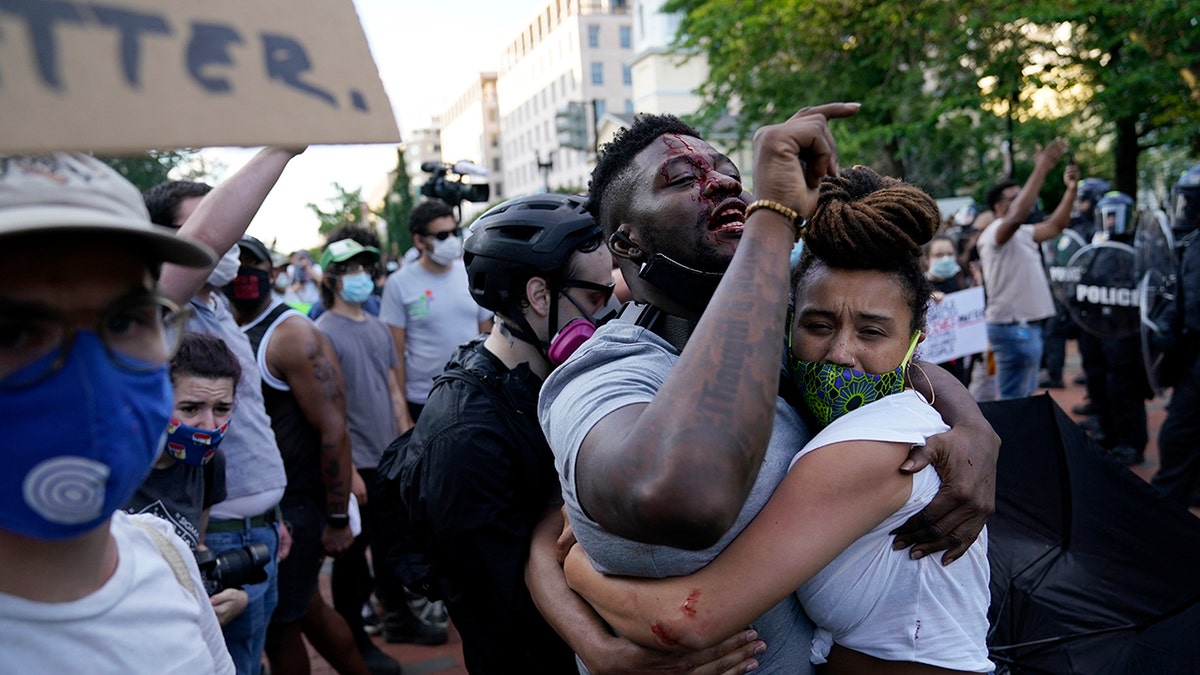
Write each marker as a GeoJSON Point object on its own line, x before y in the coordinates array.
{"type": "Point", "coordinates": [1114, 214]}
{"type": "Point", "coordinates": [1091, 189]}
{"type": "Point", "coordinates": [1185, 197]}
{"type": "Point", "coordinates": [522, 238]}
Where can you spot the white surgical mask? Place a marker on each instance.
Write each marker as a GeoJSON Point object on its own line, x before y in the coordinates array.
{"type": "Point", "coordinates": [227, 268]}
{"type": "Point", "coordinates": [446, 251]}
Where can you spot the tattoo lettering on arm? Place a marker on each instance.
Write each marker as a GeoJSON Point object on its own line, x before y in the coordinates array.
{"type": "Point", "coordinates": [324, 372]}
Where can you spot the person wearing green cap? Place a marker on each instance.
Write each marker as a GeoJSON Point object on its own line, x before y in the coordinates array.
{"type": "Point", "coordinates": [374, 404]}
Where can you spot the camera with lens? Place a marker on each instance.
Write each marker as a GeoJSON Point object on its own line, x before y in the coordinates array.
{"type": "Point", "coordinates": [233, 569]}
{"type": "Point", "coordinates": [456, 183]}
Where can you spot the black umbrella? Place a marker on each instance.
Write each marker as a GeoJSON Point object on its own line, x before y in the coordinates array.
{"type": "Point", "coordinates": [1092, 570]}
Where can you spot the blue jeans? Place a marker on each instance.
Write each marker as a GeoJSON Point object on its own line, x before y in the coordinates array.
{"type": "Point", "coordinates": [1018, 350]}
{"type": "Point", "coordinates": [246, 635]}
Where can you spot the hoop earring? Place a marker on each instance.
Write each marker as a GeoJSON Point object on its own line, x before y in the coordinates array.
{"type": "Point", "coordinates": [932, 392]}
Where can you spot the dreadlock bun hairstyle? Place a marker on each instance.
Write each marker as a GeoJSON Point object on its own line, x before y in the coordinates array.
{"type": "Point", "coordinates": [867, 221]}
{"type": "Point", "coordinates": [864, 221]}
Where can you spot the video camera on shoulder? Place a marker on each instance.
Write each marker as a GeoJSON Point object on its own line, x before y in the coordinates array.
{"type": "Point", "coordinates": [456, 183]}
{"type": "Point", "coordinates": [233, 569]}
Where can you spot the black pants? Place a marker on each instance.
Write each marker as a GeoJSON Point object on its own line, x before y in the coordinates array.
{"type": "Point", "coordinates": [1117, 388]}
{"type": "Point", "coordinates": [1054, 342]}
{"type": "Point", "coordinates": [352, 580]}
{"type": "Point", "coordinates": [1179, 439]}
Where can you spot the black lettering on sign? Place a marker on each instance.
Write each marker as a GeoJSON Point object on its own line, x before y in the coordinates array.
{"type": "Point", "coordinates": [131, 26]}
{"type": "Point", "coordinates": [209, 47]}
{"type": "Point", "coordinates": [207, 54]}
{"type": "Point", "coordinates": [40, 17]}
{"type": "Point", "coordinates": [287, 61]}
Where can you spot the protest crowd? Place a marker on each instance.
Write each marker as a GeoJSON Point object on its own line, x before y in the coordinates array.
{"type": "Point", "coordinates": [225, 458]}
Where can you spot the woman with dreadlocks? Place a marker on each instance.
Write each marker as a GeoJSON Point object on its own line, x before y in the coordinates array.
{"type": "Point", "coordinates": [859, 297]}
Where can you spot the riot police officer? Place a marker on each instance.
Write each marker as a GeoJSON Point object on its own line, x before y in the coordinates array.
{"type": "Point", "coordinates": [1060, 327]}
{"type": "Point", "coordinates": [1116, 380]}
{"type": "Point", "coordinates": [1179, 437]}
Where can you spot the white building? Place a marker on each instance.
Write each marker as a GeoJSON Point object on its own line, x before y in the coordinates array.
{"type": "Point", "coordinates": [471, 132]}
{"type": "Point", "coordinates": [571, 50]}
{"type": "Point", "coordinates": [422, 145]}
{"type": "Point", "coordinates": [666, 82]}
{"type": "Point", "coordinates": [662, 82]}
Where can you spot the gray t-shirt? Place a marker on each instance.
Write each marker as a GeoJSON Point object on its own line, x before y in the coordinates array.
{"type": "Point", "coordinates": [252, 460]}
{"type": "Point", "coordinates": [624, 364]}
{"type": "Point", "coordinates": [437, 313]}
{"type": "Point", "coordinates": [367, 354]}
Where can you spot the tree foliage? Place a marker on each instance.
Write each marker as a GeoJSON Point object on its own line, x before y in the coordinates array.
{"type": "Point", "coordinates": [346, 207]}
{"type": "Point", "coordinates": [396, 208]}
{"type": "Point", "coordinates": [147, 169]}
{"type": "Point", "coordinates": [944, 85]}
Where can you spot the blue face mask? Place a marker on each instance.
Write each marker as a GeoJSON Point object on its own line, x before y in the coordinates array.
{"type": "Point", "coordinates": [831, 391]}
{"type": "Point", "coordinates": [356, 288]}
{"type": "Point", "coordinates": [79, 443]}
{"type": "Point", "coordinates": [944, 268]}
{"type": "Point", "coordinates": [192, 445]}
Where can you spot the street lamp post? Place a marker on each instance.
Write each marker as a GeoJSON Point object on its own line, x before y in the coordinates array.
{"type": "Point", "coordinates": [545, 167]}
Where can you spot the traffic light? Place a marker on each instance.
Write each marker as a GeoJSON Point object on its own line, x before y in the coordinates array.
{"type": "Point", "coordinates": [571, 124]}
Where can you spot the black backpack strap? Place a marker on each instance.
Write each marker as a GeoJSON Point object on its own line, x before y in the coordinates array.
{"type": "Point", "coordinates": [676, 331]}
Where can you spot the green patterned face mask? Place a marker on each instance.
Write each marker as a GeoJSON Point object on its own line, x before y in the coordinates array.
{"type": "Point", "coordinates": [831, 390]}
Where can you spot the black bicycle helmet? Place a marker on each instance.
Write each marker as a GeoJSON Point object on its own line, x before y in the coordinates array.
{"type": "Point", "coordinates": [522, 238]}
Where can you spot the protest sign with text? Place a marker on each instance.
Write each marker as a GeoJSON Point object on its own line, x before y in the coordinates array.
{"type": "Point", "coordinates": [954, 327]}
{"type": "Point", "coordinates": [125, 75]}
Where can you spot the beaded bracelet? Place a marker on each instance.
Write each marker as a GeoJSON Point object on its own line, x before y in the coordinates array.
{"type": "Point", "coordinates": [791, 214]}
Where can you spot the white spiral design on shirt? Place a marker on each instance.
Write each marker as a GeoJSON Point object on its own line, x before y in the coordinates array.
{"type": "Point", "coordinates": [67, 490]}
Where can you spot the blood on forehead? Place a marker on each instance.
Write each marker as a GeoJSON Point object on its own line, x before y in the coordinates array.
{"type": "Point", "coordinates": [698, 153]}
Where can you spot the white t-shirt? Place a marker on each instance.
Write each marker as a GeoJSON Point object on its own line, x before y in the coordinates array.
{"type": "Point", "coordinates": [876, 600]}
{"type": "Point", "coordinates": [142, 620]}
{"type": "Point", "coordinates": [1013, 277]}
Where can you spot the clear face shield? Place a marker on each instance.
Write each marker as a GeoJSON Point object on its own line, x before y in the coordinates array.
{"type": "Point", "coordinates": [1115, 219]}
{"type": "Point", "coordinates": [1185, 213]}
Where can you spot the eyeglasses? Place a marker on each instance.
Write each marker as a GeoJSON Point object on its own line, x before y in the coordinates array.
{"type": "Point", "coordinates": [606, 290]}
{"type": "Point", "coordinates": [443, 236]}
{"type": "Point", "coordinates": [140, 334]}
{"type": "Point", "coordinates": [352, 268]}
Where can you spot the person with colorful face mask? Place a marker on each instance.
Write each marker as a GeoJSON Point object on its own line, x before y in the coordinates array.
{"type": "Point", "coordinates": [668, 427]}
{"type": "Point", "coordinates": [85, 400]}
{"type": "Point", "coordinates": [255, 477]}
{"type": "Point", "coordinates": [189, 475]}
{"type": "Point", "coordinates": [476, 469]}
{"type": "Point", "coordinates": [189, 472]}
{"type": "Point", "coordinates": [860, 297]}
{"type": "Point", "coordinates": [374, 402]}
{"type": "Point", "coordinates": [305, 398]}
{"type": "Point", "coordinates": [427, 307]}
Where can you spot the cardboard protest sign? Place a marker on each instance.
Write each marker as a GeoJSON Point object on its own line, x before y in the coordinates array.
{"type": "Point", "coordinates": [126, 75]}
{"type": "Point", "coordinates": [954, 327]}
